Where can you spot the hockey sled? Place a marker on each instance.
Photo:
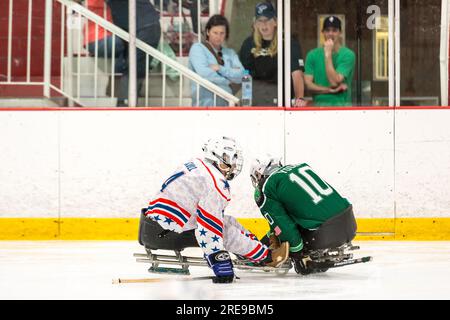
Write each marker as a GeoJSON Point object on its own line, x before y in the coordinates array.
{"type": "Point", "coordinates": [154, 238]}
{"type": "Point", "coordinates": [321, 261]}
{"type": "Point", "coordinates": [330, 245]}
{"type": "Point", "coordinates": [324, 259]}
{"type": "Point", "coordinates": [179, 264]}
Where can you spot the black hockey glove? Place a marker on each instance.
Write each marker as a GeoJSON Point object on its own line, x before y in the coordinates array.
{"type": "Point", "coordinates": [222, 266]}
{"type": "Point", "coordinates": [299, 259]}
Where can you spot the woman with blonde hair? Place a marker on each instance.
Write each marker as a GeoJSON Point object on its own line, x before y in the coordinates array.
{"type": "Point", "coordinates": [259, 55]}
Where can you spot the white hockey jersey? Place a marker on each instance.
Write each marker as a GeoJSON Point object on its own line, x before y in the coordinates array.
{"type": "Point", "coordinates": [195, 197]}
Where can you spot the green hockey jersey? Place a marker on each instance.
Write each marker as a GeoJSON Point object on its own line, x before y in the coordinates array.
{"type": "Point", "coordinates": [295, 196]}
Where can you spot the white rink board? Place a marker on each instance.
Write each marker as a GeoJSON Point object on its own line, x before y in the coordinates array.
{"type": "Point", "coordinates": [351, 150]}
{"type": "Point", "coordinates": [29, 169]}
{"type": "Point", "coordinates": [113, 162]}
{"type": "Point", "coordinates": [423, 163]}
{"type": "Point", "coordinates": [109, 163]}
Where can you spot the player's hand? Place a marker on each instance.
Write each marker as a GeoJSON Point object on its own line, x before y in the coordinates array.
{"type": "Point", "coordinates": [274, 241]}
{"type": "Point", "coordinates": [222, 266]}
{"type": "Point", "coordinates": [271, 241]}
{"type": "Point", "coordinates": [300, 261]}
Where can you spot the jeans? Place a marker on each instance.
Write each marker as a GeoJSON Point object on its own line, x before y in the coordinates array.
{"type": "Point", "coordinates": [104, 49]}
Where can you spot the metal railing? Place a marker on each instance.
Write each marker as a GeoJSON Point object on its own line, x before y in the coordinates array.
{"type": "Point", "coordinates": [7, 79]}
{"type": "Point", "coordinates": [140, 45]}
{"type": "Point", "coordinates": [70, 77]}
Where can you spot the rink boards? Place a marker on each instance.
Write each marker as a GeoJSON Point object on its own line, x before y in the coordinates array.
{"type": "Point", "coordinates": [85, 174]}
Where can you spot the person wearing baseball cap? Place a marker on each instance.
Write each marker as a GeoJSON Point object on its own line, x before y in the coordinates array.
{"type": "Point", "coordinates": [265, 9]}
{"type": "Point", "coordinates": [332, 22]}
{"type": "Point", "coordinates": [258, 54]}
{"type": "Point", "coordinates": [329, 69]}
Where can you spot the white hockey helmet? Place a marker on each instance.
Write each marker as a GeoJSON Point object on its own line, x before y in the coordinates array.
{"type": "Point", "coordinates": [224, 150]}
{"type": "Point", "coordinates": [263, 167]}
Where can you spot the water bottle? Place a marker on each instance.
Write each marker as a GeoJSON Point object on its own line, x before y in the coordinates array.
{"type": "Point", "coordinates": [246, 100]}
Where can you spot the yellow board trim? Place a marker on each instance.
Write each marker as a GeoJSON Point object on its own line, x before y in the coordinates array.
{"type": "Point", "coordinates": [414, 229]}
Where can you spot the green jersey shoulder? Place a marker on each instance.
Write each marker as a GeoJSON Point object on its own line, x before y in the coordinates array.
{"type": "Point", "coordinates": [303, 194]}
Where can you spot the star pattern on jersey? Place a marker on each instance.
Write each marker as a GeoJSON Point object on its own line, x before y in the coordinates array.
{"type": "Point", "coordinates": [165, 222]}
{"type": "Point", "coordinates": [168, 221]}
{"type": "Point", "coordinates": [210, 230]}
{"type": "Point", "coordinates": [208, 241]}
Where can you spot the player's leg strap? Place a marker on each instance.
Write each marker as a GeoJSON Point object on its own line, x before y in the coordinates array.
{"type": "Point", "coordinates": [153, 236]}
{"type": "Point", "coordinates": [333, 233]}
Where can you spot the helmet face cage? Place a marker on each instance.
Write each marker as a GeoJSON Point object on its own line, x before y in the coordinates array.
{"type": "Point", "coordinates": [226, 151]}
{"type": "Point", "coordinates": [255, 179]}
{"type": "Point", "coordinates": [255, 172]}
{"type": "Point", "coordinates": [263, 168]}
{"type": "Point", "coordinates": [234, 162]}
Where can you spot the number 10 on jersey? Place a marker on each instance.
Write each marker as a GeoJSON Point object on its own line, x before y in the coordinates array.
{"type": "Point", "coordinates": [318, 191]}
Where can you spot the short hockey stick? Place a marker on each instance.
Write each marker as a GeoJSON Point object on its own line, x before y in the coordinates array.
{"type": "Point", "coordinates": [146, 280]}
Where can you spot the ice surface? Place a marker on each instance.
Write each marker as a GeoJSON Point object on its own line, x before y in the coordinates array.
{"type": "Point", "coordinates": [85, 270]}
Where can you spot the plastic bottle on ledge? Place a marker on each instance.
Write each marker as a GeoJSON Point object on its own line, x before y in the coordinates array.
{"type": "Point", "coordinates": [247, 89]}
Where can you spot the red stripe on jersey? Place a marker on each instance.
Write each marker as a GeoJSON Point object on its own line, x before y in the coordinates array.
{"type": "Point", "coordinates": [264, 255]}
{"type": "Point", "coordinates": [251, 253]}
{"type": "Point", "coordinates": [168, 215]}
{"type": "Point", "coordinates": [207, 226]}
{"type": "Point", "coordinates": [214, 180]}
{"type": "Point", "coordinates": [210, 216]}
{"type": "Point", "coordinates": [260, 258]}
{"type": "Point", "coordinates": [170, 202]}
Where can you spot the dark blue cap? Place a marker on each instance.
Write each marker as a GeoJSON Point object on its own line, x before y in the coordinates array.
{"type": "Point", "coordinates": [265, 9]}
{"type": "Point", "coordinates": [332, 22]}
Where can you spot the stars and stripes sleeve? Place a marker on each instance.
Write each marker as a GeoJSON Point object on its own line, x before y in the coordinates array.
{"type": "Point", "coordinates": [210, 222]}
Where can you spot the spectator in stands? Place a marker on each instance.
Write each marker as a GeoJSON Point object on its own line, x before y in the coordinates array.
{"type": "Point", "coordinates": [148, 29]}
{"type": "Point", "coordinates": [329, 69]}
{"type": "Point", "coordinates": [104, 37]}
{"type": "Point", "coordinates": [214, 62]}
{"type": "Point", "coordinates": [192, 5]}
{"type": "Point", "coordinates": [259, 54]}
{"type": "Point", "coordinates": [193, 9]}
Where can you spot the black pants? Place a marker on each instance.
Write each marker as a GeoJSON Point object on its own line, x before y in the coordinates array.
{"type": "Point", "coordinates": [153, 236]}
{"type": "Point", "coordinates": [332, 233]}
